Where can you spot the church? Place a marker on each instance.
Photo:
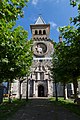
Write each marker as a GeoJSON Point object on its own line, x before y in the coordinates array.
{"type": "Point", "coordinates": [40, 83]}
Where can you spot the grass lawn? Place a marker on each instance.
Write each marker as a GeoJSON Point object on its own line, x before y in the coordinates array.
{"type": "Point", "coordinates": [69, 104]}
{"type": "Point", "coordinates": [8, 109]}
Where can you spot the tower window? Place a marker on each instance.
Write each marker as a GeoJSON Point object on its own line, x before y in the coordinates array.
{"type": "Point", "coordinates": [36, 32]}
{"type": "Point", "coordinates": [41, 76]}
{"type": "Point", "coordinates": [44, 32]}
{"type": "Point", "coordinates": [40, 32]}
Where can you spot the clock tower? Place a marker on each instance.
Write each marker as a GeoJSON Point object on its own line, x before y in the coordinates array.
{"type": "Point", "coordinates": [40, 82]}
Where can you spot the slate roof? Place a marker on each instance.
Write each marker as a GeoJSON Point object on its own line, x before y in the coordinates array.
{"type": "Point", "coordinates": [40, 20]}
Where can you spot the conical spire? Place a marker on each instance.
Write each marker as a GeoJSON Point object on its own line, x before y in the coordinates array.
{"type": "Point", "coordinates": [40, 21]}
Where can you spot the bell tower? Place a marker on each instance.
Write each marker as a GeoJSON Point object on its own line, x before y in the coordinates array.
{"type": "Point", "coordinates": [41, 84]}
{"type": "Point", "coordinates": [40, 36]}
{"type": "Point", "coordinates": [40, 30]}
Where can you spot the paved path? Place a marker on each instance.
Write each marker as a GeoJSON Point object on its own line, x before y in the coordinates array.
{"type": "Point", "coordinates": [43, 109]}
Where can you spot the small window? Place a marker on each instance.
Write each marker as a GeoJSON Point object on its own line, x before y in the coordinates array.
{"type": "Point", "coordinates": [36, 32]}
{"type": "Point", "coordinates": [40, 32]}
{"type": "Point", "coordinates": [31, 75]}
{"type": "Point", "coordinates": [41, 76]}
{"type": "Point", "coordinates": [44, 32]}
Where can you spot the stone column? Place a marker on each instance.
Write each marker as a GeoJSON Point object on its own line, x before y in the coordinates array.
{"type": "Point", "coordinates": [34, 89]}
{"type": "Point", "coordinates": [66, 92]}
{"type": "Point", "coordinates": [38, 76]}
{"type": "Point", "coordinates": [29, 88]}
{"type": "Point", "coordinates": [48, 89]}
{"type": "Point", "coordinates": [72, 88]}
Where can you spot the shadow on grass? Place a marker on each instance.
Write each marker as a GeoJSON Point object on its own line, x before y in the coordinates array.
{"type": "Point", "coordinates": [69, 104]}
{"type": "Point", "coordinates": [8, 109]}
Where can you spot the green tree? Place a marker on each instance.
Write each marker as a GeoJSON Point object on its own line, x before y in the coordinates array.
{"type": "Point", "coordinates": [60, 67]}
{"type": "Point", "coordinates": [15, 50]}
{"type": "Point", "coordinates": [10, 10]}
{"type": "Point", "coordinates": [72, 36]}
{"type": "Point", "coordinates": [68, 66]}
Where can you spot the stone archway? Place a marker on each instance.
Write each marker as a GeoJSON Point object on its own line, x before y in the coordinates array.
{"type": "Point", "coordinates": [40, 91]}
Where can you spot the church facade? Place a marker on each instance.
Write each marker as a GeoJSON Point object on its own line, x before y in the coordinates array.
{"type": "Point", "coordinates": [40, 83]}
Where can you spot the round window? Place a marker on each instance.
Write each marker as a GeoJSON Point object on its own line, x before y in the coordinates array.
{"type": "Point", "coordinates": [40, 48]}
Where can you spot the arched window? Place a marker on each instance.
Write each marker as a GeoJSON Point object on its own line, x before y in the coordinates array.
{"type": "Point", "coordinates": [44, 32]}
{"type": "Point", "coordinates": [41, 76]}
{"type": "Point", "coordinates": [36, 32]}
{"type": "Point", "coordinates": [40, 32]}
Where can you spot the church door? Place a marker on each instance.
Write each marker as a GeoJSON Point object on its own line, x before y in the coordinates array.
{"type": "Point", "coordinates": [40, 91]}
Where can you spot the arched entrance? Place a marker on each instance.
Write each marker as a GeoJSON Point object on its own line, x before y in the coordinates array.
{"type": "Point", "coordinates": [40, 91]}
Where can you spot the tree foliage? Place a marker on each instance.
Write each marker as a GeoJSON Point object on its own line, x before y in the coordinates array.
{"type": "Point", "coordinates": [67, 66]}
{"type": "Point", "coordinates": [10, 10]}
{"type": "Point", "coordinates": [15, 49]}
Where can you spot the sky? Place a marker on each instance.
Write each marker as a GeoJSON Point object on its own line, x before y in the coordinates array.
{"type": "Point", "coordinates": [54, 12]}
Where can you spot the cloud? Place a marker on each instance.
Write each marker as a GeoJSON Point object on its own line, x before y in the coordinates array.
{"type": "Point", "coordinates": [34, 2]}
{"type": "Point", "coordinates": [54, 0]}
{"type": "Point", "coordinates": [53, 25]}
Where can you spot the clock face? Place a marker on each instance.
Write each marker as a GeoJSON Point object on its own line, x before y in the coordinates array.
{"type": "Point", "coordinates": [40, 49]}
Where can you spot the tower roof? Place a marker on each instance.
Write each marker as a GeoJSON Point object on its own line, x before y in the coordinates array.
{"type": "Point", "coordinates": [40, 21]}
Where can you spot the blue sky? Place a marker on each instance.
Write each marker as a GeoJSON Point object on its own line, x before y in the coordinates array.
{"type": "Point", "coordinates": [55, 12]}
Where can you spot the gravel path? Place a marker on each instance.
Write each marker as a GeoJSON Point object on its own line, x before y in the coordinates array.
{"type": "Point", "coordinates": [43, 109]}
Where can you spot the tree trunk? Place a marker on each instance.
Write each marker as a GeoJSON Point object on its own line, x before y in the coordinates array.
{"type": "Point", "coordinates": [56, 91]}
{"type": "Point", "coordinates": [9, 92]}
{"type": "Point", "coordinates": [20, 96]}
{"type": "Point", "coordinates": [65, 91]}
{"type": "Point", "coordinates": [75, 84]}
{"type": "Point", "coordinates": [27, 91]}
